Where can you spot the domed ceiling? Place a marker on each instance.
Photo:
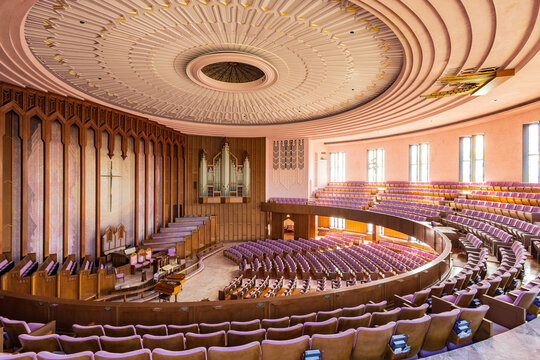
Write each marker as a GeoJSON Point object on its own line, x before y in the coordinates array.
{"type": "Point", "coordinates": [235, 62]}
{"type": "Point", "coordinates": [148, 56]}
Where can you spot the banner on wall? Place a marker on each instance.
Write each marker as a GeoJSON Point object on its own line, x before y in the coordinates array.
{"type": "Point", "coordinates": [288, 162]}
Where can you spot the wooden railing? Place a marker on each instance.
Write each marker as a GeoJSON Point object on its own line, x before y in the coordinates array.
{"type": "Point", "coordinates": [68, 312]}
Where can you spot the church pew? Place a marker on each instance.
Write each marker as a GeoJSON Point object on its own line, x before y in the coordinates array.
{"type": "Point", "coordinates": [68, 284]}
{"type": "Point", "coordinates": [88, 282]}
{"type": "Point", "coordinates": [17, 279]}
{"type": "Point", "coordinates": [6, 264]}
{"type": "Point", "coordinates": [87, 263]}
{"type": "Point", "coordinates": [105, 282]}
{"type": "Point", "coordinates": [44, 280]}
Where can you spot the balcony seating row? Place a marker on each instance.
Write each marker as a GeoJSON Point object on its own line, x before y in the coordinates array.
{"type": "Point", "coordinates": [408, 256]}
{"type": "Point", "coordinates": [490, 235]}
{"type": "Point", "coordinates": [348, 203]}
{"type": "Point", "coordinates": [470, 242]}
{"type": "Point", "coordinates": [298, 201]}
{"type": "Point", "coordinates": [522, 230]}
{"type": "Point", "coordinates": [434, 207]}
{"type": "Point", "coordinates": [428, 214]}
{"type": "Point", "coordinates": [443, 193]}
{"type": "Point", "coordinates": [399, 214]}
{"type": "Point", "coordinates": [490, 186]}
{"type": "Point", "coordinates": [408, 250]}
{"type": "Point", "coordinates": [328, 195]}
{"type": "Point", "coordinates": [416, 198]}
{"type": "Point", "coordinates": [522, 212]}
{"type": "Point", "coordinates": [521, 198]}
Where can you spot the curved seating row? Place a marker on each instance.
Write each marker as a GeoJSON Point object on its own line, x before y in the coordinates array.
{"type": "Point", "coordinates": [523, 198]}
{"type": "Point", "coordinates": [447, 194]}
{"type": "Point", "coordinates": [299, 201]}
{"type": "Point", "coordinates": [426, 336]}
{"type": "Point", "coordinates": [491, 236]}
{"type": "Point", "coordinates": [416, 198]}
{"type": "Point", "coordinates": [523, 230]}
{"type": "Point", "coordinates": [431, 214]}
{"type": "Point", "coordinates": [408, 250]}
{"type": "Point", "coordinates": [524, 212]}
{"type": "Point", "coordinates": [435, 207]}
{"type": "Point", "coordinates": [399, 214]}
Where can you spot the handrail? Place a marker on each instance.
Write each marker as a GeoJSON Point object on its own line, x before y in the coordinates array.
{"type": "Point", "coordinates": [67, 312]}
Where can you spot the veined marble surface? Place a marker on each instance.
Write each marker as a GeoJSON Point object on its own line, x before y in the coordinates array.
{"type": "Point", "coordinates": [521, 343]}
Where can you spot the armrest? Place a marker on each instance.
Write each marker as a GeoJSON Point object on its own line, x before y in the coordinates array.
{"type": "Point", "coordinates": [49, 328]}
{"type": "Point", "coordinates": [503, 313]}
{"type": "Point", "coordinates": [439, 305]}
{"type": "Point", "coordinates": [400, 302]}
{"type": "Point", "coordinates": [485, 330]}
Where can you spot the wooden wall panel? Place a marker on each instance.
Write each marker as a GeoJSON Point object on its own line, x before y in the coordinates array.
{"type": "Point", "coordinates": [236, 222]}
{"type": "Point", "coordinates": [27, 104]}
{"type": "Point", "coordinates": [396, 234]}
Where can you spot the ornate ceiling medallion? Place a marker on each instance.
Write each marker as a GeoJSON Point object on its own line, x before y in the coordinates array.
{"type": "Point", "coordinates": [149, 55]}
{"type": "Point", "coordinates": [232, 72]}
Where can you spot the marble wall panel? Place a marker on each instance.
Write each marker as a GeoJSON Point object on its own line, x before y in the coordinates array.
{"type": "Point", "coordinates": [56, 191]}
{"type": "Point", "coordinates": [35, 182]}
{"type": "Point", "coordinates": [74, 193]}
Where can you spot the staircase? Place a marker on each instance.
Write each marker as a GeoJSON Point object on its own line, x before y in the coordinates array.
{"type": "Point", "coordinates": [175, 232]}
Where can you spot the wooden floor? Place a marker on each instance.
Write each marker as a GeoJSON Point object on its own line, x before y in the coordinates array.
{"type": "Point", "coordinates": [218, 271]}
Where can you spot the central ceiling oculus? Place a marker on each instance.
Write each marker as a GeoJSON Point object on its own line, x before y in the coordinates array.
{"type": "Point", "coordinates": [232, 72]}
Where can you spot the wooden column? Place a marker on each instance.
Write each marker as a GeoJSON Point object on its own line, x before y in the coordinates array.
{"type": "Point", "coordinates": [65, 140]}
{"type": "Point", "coordinates": [180, 176]}
{"type": "Point", "coordinates": [171, 182]}
{"type": "Point", "coordinates": [146, 178]}
{"type": "Point", "coordinates": [136, 149]}
{"type": "Point", "coordinates": [186, 185]}
{"type": "Point", "coordinates": [47, 183]}
{"type": "Point", "coordinates": [156, 147]}
{"type": "Point", "coordinates": [164, 160]}
{"type": "Point", "coordinates": [97, 145]}
{"type": "Point", "coordinates": [24, 130]}
{"type": "Point", "coordinates": [82, 144]}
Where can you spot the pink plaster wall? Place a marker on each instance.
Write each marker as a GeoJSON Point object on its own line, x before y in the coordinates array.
{"type": "Point", "coordinates": [503, 148]}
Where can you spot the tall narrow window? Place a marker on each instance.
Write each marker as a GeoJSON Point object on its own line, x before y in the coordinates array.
{"type": "Point", "coordinates": [337, 223]}
{"type": "Point", "coordinates": [471, 158]}
{"type": "Point", "coordinates": [419, 162]}
{"type": "Point", "coordinates": [531, 152]}
{"type": "Point", "coordinates": [337, 166]}
{"type": "Point", "coordinates": [375, 165]}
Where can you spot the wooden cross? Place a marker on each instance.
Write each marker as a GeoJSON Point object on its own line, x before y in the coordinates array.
{"type": "Point", "coordinates": [110, 176]}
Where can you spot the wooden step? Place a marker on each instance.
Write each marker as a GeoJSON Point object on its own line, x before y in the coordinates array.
{"type": "Point", "coordinates": [191, 218]}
